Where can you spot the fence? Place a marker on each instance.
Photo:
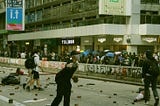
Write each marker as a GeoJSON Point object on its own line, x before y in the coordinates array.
{"type": "Point", "coordinates": [107, 70]}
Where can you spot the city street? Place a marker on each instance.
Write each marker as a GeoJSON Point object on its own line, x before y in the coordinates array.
{"type": "Point", "coordinates": [86, 92]}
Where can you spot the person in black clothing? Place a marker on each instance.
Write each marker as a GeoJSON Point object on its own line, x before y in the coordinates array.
{"type": "Point", "coordinates": [63, 80]}
{"type": "Point", "coordinates": [149, 79]}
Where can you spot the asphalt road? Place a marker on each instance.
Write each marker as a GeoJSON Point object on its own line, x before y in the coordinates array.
{"type": "Point", "coordinates": [87, 92]}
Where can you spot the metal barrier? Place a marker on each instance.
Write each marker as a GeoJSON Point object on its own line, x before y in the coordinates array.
{"type": "Point", "coordinates": [116, 70]}
{"type": "Point", "coordinates": [111, 71]}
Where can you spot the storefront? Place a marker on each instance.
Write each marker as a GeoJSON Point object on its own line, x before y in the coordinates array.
{"type": "Point", "coordinates": [69, 44]}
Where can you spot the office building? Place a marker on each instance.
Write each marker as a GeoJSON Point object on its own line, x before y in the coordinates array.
{"type": "Point", "coordinates": [66, 25]}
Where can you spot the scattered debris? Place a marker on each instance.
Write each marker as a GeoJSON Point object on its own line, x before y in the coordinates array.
{"type": "Point", "coordinates": [90, 84]}
{"type": "Point", "coordinates": [109, 97]}
{"type": "Point", "coordinates": [34, 98]}
{"type": "Point", "coordinates": [17, 87]}
{"type": "Point", "coordinates": [51, 95]}
{"type": "Point", "coordinates": [79, 96]}
{"type": "Point", "coordinates": [11, 94]}
{"type": "Point", "coordinates": [115, 94]}
{"type": "Point", "coordinates": [10, 101]}
{"type": "Point", "coordinates": [114, 102]}
{"type": "Point", "coordinates": [75, 104]}
{"type": "Point", "coordinates": [80, 85]}
{"type": "Point", "coordinates": [51, 83]}
{"type": "Point", "coordinates": [48, 78]}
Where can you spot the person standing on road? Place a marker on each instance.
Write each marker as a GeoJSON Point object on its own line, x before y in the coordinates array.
{"type": "Point", "coordinates": [63, 80]}
{"type": "Point", "coordinates": [149, 77]}
{"type": "Point", "coordinates": [35, 72]}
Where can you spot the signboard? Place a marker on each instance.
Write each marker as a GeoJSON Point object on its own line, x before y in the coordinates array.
{"type": "Point", "coordinates": [115, 7]}
{"type": "Point", "coordinates": [70, 41]}
{"type": "Point", "coordinates": [15, 15]}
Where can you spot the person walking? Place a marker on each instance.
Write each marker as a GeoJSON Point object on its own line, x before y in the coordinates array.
{"type": "Point", "coordinates": [150, 72]}
{"type": "Point", "coordinates": [63, 80]}
{"type": "Point", "coordinates": [35, 72]}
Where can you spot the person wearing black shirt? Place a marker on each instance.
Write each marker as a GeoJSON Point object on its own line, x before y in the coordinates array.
{"type": "Point", "coordinates": [63, 80]}
{"type": "Point", "coordinates": [149, 78]}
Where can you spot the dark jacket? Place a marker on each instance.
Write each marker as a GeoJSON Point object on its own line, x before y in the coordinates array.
{"type": "Point", "coordinates": [63, 78]}
{"type": "Point", "coordinates": [146, 66]}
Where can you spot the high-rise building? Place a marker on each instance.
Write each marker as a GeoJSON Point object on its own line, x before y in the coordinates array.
{"type": "Point", "coordinates": [66, 25]}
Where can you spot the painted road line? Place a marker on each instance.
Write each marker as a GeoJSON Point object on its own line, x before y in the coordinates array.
{"type": "Point", "coordinates": [33, 101]}
{"type": "Point", "coordinates": [3, 98]}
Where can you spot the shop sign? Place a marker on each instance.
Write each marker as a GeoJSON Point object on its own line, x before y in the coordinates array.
{"type": "Point", "coordinates": [67, 41]}
{"type": "Point", "coordinates": [15, 15]}
{"type": "Point", "coordinates": [70, 41]}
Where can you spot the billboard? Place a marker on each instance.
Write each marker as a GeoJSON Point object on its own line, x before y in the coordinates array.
{"type": "Point", "coordinates": [115, 7]}
{"type": "Point", "coordinates": [15, 12]}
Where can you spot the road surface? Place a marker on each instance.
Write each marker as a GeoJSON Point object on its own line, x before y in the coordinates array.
{"type": "Point", "coordinates": [87, 92]}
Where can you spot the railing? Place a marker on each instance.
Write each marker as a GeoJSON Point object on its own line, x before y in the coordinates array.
{"type": "Point", "coordinates": [105, 70]}
{"type": "Point", "coordinates": [124, 74]}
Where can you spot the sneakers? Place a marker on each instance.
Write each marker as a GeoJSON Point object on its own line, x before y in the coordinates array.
{"type": "Point", "coordinates": [24, 85]}
{"type": "Point", "coordinates": [34, 87]}
{"type": "Point", "coordinates": [146, 102]}
{"type": "Point", "coordinates": [40, 89]}
{"type": "Point", "coordinates": [156, 102]}
{"type": "Point", "coordinates": [28, 88]}
{"type": "Point", "coordinates": [135, 100]}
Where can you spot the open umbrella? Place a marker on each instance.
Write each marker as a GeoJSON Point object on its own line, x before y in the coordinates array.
{"type": "Point", "coordinates": [106, 51]}
{"type": "Point", "coordinates": [85, 53]}
{"type": "Point", "coordinates": [95, 52]}
{"type": "Point", "coordinates": [74, 52]}
{"type": "Point", "coordinates": [117, 53]}
{"type": "Point", "coordinates": [110, 54]}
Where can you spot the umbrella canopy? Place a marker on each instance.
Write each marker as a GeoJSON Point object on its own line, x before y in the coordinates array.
{"type": "Point", "coordinates": [95, 52]}
{"type": "Point", "coordinates": [117, 53]}
{"type": "Point", "coordinates": [110, 54]}
{"type": "Point", "coordinates": [85, 53]}
{"type": "Point", "coordinates": [74, 52]}
{"type": "Point", "coordinates": [106, 51]}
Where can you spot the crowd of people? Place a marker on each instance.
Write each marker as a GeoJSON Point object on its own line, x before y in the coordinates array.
{"type": "Point", "coordinates": [122, 58]}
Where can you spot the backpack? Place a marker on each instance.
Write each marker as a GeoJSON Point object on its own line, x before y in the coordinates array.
{"type": "Point", "coordinates": [10, 80]}
{"type": "Point", "coordinates": [29, 63]}
{"type": "Point", "coordinates": [153, 68]}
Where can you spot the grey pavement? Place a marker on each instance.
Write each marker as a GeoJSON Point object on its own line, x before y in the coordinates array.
{"type": "Point", "coordinates": [87, 92]}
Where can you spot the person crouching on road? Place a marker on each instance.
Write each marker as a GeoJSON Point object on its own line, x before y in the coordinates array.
{"type": "Point", "coordinates": [63, 80]}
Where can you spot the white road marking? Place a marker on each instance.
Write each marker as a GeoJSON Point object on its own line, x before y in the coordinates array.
{"type": "Point", "coordinates": [33, 101]}
{"type": "Point", "coordinates": [3, 98]}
